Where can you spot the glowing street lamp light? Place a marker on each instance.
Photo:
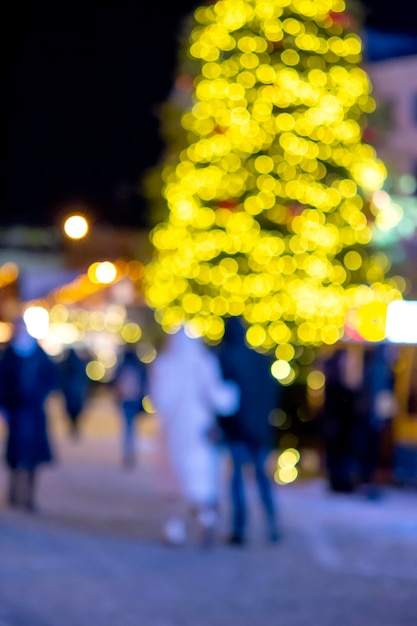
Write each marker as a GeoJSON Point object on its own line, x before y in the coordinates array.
{"type": "Point", "coordinates": [76, 227]}
{"type": "Point", "coordinates": [36, 319]}
{"type": "Point", "coordinates": [104, 273]}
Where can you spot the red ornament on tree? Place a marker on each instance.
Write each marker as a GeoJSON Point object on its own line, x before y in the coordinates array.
{"type": "Point", "coordinates": [184, 82]}
{"type": "Point", "coordinates": [344, 19]}
{"type": "Point", "coordinates": [370, 135]}
{"type": "Point", "coordinates": [231, 204]}
{"type": "Point", "coordinates": [295, 209]}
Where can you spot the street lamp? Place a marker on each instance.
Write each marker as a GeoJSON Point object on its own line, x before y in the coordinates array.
{"type": "Point", "coordinates": [76, 226]}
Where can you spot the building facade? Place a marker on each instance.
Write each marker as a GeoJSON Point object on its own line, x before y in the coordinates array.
{"type": "Point", "coordinates": [395, 90]}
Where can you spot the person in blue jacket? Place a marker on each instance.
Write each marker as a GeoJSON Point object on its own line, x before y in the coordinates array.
{"type": "Point", "coordinates": [73, 382]}
{"type": "Point", "coordinates": [130, 382]}
{"type": "Point", "coordinates": [248, 433]}
{"type": "Point", "coordinates": [27, 377]}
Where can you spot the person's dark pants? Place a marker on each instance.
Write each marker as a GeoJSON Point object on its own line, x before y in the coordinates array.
{"type": "Point", "coordinates": [241, 454]}
{"type": "Point", "coordinates": [340, 469]}
{"type": "Point", "coordinates": [22, 488]}
{"type": "Point", "coordinates": [369, 449]}
{"type": "Point", "coordinates": [130, 410]}
{"type": "Point", "coordinates": [74, 410]}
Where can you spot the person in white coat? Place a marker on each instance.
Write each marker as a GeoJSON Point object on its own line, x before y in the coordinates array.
{"type": "Point", "coordinates": [188, 392]}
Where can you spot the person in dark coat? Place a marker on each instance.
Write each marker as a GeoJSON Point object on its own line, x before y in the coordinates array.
{"type": "Point", "coordinates": [377, 407]}
{"type": "Point", "coordinates": [130, 383]}
{"type": "Point", "coordinates": [27, 376]}
{"type": "Point", "coordinates": [73, 384]}
{"type": "Point", "coordinates": [248, 432]}
{"type": "Point", "coordinates": [339, 420]}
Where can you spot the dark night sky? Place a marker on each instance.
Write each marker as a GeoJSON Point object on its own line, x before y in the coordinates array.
{"type": "Point", "coordinates": [82, 82]}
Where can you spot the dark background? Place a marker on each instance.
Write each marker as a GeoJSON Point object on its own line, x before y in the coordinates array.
{"type": "Point", "coordinates": [81, 87]}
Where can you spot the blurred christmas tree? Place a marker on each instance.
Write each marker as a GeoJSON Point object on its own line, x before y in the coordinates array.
{"type": "Point", "coordinates": [268, 184]}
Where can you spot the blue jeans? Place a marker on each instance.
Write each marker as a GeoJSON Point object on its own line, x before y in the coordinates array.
{"type": "Point", "coordinates": [241, 454]}
{"type": "Point", "coordinates": [130, 409]}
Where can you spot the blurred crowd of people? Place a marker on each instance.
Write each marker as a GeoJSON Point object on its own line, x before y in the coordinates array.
{"type": "Point", "coordinates": [204, 398]}
{"type": "Point", "coordinates": [208, 402]}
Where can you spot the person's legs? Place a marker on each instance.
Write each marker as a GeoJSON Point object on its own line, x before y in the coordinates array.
{"type": "Point", "coordinates": [13, 489]}
{"type": "Point", "coordinates": [369, 464]}
{"type": "Point", "coordinates": [238, 453]}
{"type": "Point", "coordinates": [204, 519]}
{"type": "Point", "coordinates": [259, 457]}
{"type": "Point", "coordinates": [21, 492]}
{"type": "Point", "coordinates": [74, 426]}
{"type": "Point", "coordinates": [174, 528]}
{"type": "Point", "coordinates": [128, 444]}
{"type": "Point", "coordinates": [28, 489]}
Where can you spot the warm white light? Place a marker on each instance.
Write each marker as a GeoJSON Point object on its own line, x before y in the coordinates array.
{"type": "Point", "coordinates": [280, 369]}
{"type": "Point", "coordinates": [401, 326]}
{"type": "Point", "coordinates": [381, 199]}
{"type": "Point", "coordinates": [106, 272]}
{"type": "Point", "coordinates": [288, 458]}
{"type": "Point", "coordinates": [6, 331]}
{"type": "Point", "coordinates": [63, 334]}
{"type": "Point", "coordinates": [36, 319]}
{"type": "Point", "coordinates": [107, 357]}
{"type": "Point", "coordinates": [76, 227]}
{"type": "Point", "coordinates": [286, 475]}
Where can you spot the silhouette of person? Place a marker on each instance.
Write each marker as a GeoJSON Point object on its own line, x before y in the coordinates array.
{"type": "Point", "coordinates": [27, 377]}
{"type": "Point", "coordinates": [376, 407]}
{"type": "Point", "coordinates": [339, 417]}
{"type": "Point", "coordinates": [73, 384]}
{"type": "Point", "coordinates": [187, 390]}
{"type": "Point", "coordinates": [248, 432]}
{"type": "Point", "coordinates": [130, 384]}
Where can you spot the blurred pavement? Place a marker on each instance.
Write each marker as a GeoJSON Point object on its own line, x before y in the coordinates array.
{"type": "Point", "coordinates": [93, 555]}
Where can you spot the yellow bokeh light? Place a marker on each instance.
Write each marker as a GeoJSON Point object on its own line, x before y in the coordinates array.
{"type": "Point", "coordinates": [255, 335]}
{"type": "Point", "coordinates": [131, 332]}
{"type": "Point", "coordinates": [352, 260]}
{"type": "Point", "coordinates": [369, 175]}
{"type": "Point", "coordinates": [285, 352]}
{"type": "Point", "coordinates": [371, 321]}
{"type": "Point", "coordinates": [288, 458]}
{"type": "Point", "coordinates": [316, 380]}
{"type": "Point", "coordinates": [95, 370]}
{"type": "Point", "coordinates": [286, 476]}
{"type": "Point", "coordinates": [147, 405]}
{"type": "Point", "coordinates": [96, 321]}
